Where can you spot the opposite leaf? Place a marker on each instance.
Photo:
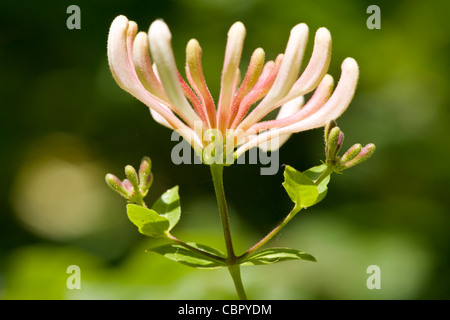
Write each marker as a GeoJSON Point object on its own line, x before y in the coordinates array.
{"type": "Point", "coordinates": [148, 221]}
{"type": "Point", "coordinates": [274, 255]}
{"type": "Point", "coordinates": [168, 206]}
{"type": "Point", "coordinates": [300, 188]}
{"type": "Point", "coordinates": [189, 257]}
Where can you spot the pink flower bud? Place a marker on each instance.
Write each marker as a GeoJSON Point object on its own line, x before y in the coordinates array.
{"type": "Point", "coordinates": [330, 125]}
{"type": "Point", "coordinates": [351, 153]}
{"type": "Point", "coordinates": [132, 176]}
{"type": "Point", "coordinates": [145, 175]}
{"type": "Point", "coordinates": [333, 143]}
{"type": "Point", "coordinates": [128, 186]}
{"type": "Point", "coordinates": [362, 156]}
{"type": "Point", "coordinates": [117, 185]}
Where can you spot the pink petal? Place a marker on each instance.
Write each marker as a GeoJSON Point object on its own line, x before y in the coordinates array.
{"type": "Point", "coordinates": [194, 72]}
{"type": "Point", "coordinates": [260, 89]}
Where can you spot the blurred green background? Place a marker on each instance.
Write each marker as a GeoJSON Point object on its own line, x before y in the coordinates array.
{"type": "Point", "coordinates": [65, 123]}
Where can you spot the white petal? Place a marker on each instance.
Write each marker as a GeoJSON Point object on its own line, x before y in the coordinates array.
{"type": "Point", "coordinates": [289, 69]}
{"type": "Point", "coordinates": [160, 45]}
{"type": "Point", "coordinates": [233, 51]}
{"type": "Point", "coordinates": [286, 111]}
{"type": "Point", "coordinates": [291, 107]}
{"type": "Point", "coordinates": [159, 119]}
{"type": "Point", "coordinates": [317, 66]}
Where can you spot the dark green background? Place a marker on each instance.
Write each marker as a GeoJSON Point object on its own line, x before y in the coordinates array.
{"type": "Point", "coordinates": [65, 123]}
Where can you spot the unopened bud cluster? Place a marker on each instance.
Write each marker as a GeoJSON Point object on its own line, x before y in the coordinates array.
{"type": "Point", "coordinates": [136, 185]}
{"type": "Point", "coordinates": [356, 154]}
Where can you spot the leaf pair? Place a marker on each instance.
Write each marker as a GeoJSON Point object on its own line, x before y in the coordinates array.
{"type": "Point", "coordinates": [161, 218]}
{"type": "Point", "coordinates": [204, 257]}
{"type": "Point", "coordinates": [304, 189]}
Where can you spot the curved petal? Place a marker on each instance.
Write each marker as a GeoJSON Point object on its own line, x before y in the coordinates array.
{"type": "Point", "coordinates": [286, 111]}
{"type": "Point", "coordinates": [120, 42]}
{"type": "Point", "coordinates": [159, 39]}
{"type": "Point", "coordinates": [289, 69]}
{"type": "Point", "coordinates": [333, 108]}
{"type": "Point", "coordinates": [233, 52]}
{"type": "Point", "coordinates": [319, 98]}
{"type": "Point", "coordinates": [316, 69]}
{"type": "Point", "coordinates": [159, 119]}
{"type": "Point", "coordinates": [118, 59]}
{"type": "Point", "coordinates": [144, 69]}
{"type": "Point", "coordinates": [194, 72]}
{"type": "Point", "coordinates": [260, 89]}
{"type": "Point", "coordinates": [252, 75]}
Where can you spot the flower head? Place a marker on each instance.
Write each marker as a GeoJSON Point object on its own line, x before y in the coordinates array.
{"type": "Point", "coordinates": [239, 118]}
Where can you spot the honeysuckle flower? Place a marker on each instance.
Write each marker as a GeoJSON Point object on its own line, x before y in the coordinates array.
{"type": "Point", "coordinates": [239, 121]}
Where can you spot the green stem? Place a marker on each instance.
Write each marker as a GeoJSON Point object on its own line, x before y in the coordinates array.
{"type": "Point", "coordinates": [271, 234]}
{"type": "Point", "coordinates": [326, 173]}
{"type": "Point", "coordinates": [235, 271]}
{"type": "Point", "coordinates": [140, 202]}
{"type": "Point", "coordinates": [217, 176]}
{"type": "Point", "coordinates": [233, 268]}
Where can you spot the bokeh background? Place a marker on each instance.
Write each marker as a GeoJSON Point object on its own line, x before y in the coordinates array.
{"type": "Point", "coordinates": [65, 123]}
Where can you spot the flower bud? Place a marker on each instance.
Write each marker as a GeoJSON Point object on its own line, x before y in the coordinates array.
{"type": "Point", "coordinates": [145, 175]}
{"type": "Point", "coordinates": [330, 125]}
{"type": "Point", "coordinates": [333, 143]}
{"type": "Point", "coordinates": [362, 156]}
{"type": "Point", "coordinates": [351, 153]}
{"type": "Point", "coordinates": [128, 187]}
{"type": "Point", "coordinates": [132, 176]}
{"type": "Point", "coordinates": [116, 185]}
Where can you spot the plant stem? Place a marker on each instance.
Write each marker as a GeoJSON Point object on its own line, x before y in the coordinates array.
{"type": "Point", "coordinates": [271, 234]}
{"type": "Point", "coordinates": [235, 271]}
{"type": "Point", "coordinates": [140, 202]}
{"type": "Point", "coordinates": [217, 176]}
{"type": "Point", "coordinates": [233, 268]}
{"type": "Point", "coordinates": [326, 173]}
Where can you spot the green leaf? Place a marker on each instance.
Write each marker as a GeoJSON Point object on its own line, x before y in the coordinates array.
{"type": "Point", "coordinates": [148, 221]}
{"type": "Point", "coordinates": [300, 188]}
{"type": "Point", "coordinates": [314, 173]}
{"type": "Point", "coordinates": [275, 255]}
{"type": "Point", "coordinates": [191, 257]}
{"type": "Point", "coordinates": [168, 206]}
